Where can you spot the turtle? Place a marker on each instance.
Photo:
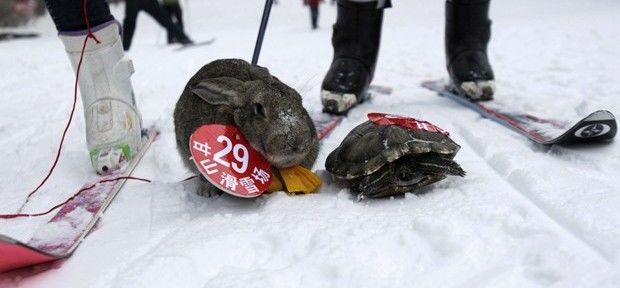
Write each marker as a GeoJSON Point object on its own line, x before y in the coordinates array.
{"type": "Point", "coordinates": [379, 160]}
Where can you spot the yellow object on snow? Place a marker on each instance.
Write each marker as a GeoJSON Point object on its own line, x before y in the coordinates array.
{"type": "Point", "coordinates": [295, 180]}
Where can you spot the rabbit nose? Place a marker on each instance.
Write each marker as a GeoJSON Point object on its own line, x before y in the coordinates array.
{"type": "Point", "coordinates": [296, 144]}
{"type": "Point", "coordinates": [284, 143]}
{"type": "Point", "coordinates": [297, 148]}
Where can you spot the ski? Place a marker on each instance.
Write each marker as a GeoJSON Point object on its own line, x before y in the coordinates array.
{"type": "Point", "coordinates": [5, 36]}
{"type": "Point", "coordinates": [81, 214]}
{"type": "Point", "coordinates": [380, 89]}
{"type": "Point", "coordinates": [60, 236]}
{"type": "Point", "coordinates": [195, 44]}
{"type": "Point", "coordinates": [325, 123]}
{"type": "Point", "coordinates": [597, 126]}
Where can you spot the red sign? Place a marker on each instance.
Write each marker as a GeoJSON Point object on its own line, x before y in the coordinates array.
{"type": "Point", "coordinates": [226, 159]}
{"type": "Point", "coordinates": [389, 119]}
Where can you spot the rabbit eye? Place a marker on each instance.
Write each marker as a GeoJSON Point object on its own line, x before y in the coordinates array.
{"type": "Point", "coordinates": [259, 110]}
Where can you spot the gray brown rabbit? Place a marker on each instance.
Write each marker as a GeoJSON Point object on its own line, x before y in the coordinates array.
{"type": "Point", "coordinates": [268, 113]}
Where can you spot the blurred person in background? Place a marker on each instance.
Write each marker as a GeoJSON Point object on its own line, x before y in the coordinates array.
{"type": "Point", "coordinates": [152, 7]}
{"type": "Point", "coordinates": [314, 11]}
{"type": "Point", "coordinates": [174, 11]}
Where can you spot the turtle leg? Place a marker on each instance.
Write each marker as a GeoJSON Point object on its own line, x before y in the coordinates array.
{"type": "Point", "coordinates": [370, 186]}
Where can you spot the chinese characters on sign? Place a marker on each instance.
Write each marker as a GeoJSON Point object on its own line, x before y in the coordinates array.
{"type": "Point", "coordinates": [412, 123]}
{"type": "Point", "coordinates": [225, 158]}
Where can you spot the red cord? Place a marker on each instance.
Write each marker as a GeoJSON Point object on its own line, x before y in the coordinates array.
{"type": "Point", "coordinates": [90, 32]}
{"type": "Point", "coordinates": [75, 90]}
{"type": "Point", "coordinates": [64, 134]}
{"type": "Point", "coordinates": [17, 215]}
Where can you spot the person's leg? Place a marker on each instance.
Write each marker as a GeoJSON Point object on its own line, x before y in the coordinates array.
{"type": "Point", "coordinates": [169, 11]}
{"type": "Point", "coordinates": [380, 3]}
{"type": "Point", "coordinates": [178, 14]}
{"type": "Point", "coordinates": [317, 15]}
{"type": "Point", "coordinates": [175, 13]}
{"type": "Point", "coordinates": [113, 124]}
{"type": "Point", "coordinates": [467, 33]}
{"type": "Point", "coordinates": [132, 8]}
{"type": "Point", "coordinates": [356, 38]}
{"type": "Point", "coordinates": [153, 8]}
{"type": "Point", "coordinates": [314, 14]}
{"type": "Point", "coordinates": [68, 15]}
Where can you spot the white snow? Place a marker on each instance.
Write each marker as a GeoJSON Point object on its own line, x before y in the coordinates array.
{"type": "Point", "coordinates": [524, 216]}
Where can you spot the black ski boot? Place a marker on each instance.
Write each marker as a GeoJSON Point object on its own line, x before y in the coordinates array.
{"type": "Point", "coordinates": [355, 38]}
{"type": "Point", "coordinates": [468, 30]}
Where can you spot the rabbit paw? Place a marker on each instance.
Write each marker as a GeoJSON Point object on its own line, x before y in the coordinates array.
{"type": "Point", "coordinates": [207, 189]}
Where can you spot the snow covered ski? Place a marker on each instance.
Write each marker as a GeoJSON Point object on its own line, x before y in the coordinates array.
{"type": "Point", "coordinates": [325, 123]}
{"type": "Point", "coordinates": [60, 237]}
{"type": "Point", "coordinates": [597, 126]}
{"type": "Point", "coordinates": [379, 89]}
{"type": "Point", "coordinates": [62, 234]}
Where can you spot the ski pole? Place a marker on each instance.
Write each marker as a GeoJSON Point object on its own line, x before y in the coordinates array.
{"type": "Point", "coordinates": [261, 31]}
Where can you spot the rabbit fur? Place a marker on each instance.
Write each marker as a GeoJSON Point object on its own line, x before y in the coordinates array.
{"type": "Point", "coordinates": [268, 113]}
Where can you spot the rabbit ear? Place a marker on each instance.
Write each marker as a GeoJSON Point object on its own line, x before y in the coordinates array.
{"type": "Point", "coordinates": [220, 91]}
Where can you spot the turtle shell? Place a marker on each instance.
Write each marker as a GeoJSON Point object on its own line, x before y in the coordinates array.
{"type": "Point", "coordinates": [369, 146]}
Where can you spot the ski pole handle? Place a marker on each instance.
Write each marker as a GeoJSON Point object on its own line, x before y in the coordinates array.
{"type": "Point", "coordinates": [261, 31]}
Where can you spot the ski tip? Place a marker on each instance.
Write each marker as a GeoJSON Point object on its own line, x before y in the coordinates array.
{"type": "Point", "coordinates": [21, 255]}
{"type": "Point", "coordinates": [600, 115]}
{"type": "Point", "coordinates": [151, 132]}
{"type": "Point", "coordinates": [599, 126]}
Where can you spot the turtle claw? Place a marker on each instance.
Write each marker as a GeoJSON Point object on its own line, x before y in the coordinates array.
{"type": "Point", "coordinates": [361, 197]}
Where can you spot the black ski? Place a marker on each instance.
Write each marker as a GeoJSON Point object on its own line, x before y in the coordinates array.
{"type": "Point", "coordinates": [599, 125]}
{"type": "Point", "coordinates": [195, 44]}
{"type": "Point", "coordinates": [5, 36]}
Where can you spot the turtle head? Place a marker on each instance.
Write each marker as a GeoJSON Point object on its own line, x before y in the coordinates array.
{"type": "Point", "coordinates": [398, 177]}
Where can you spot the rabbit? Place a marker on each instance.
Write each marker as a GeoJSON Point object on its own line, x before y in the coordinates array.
{"type": "Point", "coordinates": [268, 113]}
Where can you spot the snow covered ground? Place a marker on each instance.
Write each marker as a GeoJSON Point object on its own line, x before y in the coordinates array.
{"type": "Point", "coordinates": [524, 216]}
